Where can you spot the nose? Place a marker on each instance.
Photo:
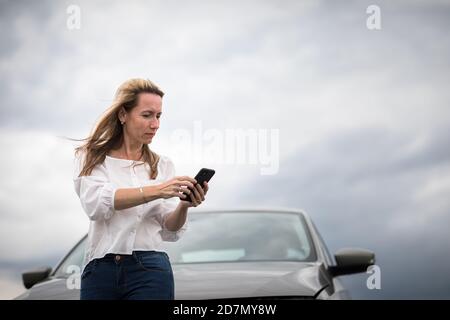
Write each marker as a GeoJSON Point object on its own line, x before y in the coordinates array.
{"type": "Point", "coordinates": [154, 124]}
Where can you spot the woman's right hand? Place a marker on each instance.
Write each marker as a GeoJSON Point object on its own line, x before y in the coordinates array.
{"type": "Point", "coordinates": [176, 187]}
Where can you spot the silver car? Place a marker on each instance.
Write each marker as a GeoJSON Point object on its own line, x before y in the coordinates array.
{"type": "Point", "coordinates": [258, 254]}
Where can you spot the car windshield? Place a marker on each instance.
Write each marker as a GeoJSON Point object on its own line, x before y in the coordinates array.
{"type": "Point", "coordinates": [228, 237]}
{"type": "Point", "coordinates": [243, 236]}
{"type": "Point", "coordinates": [73, 262]}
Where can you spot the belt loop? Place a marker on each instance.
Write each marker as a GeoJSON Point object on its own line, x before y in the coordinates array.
{"type": "Point", "coordinates": [135, 256]}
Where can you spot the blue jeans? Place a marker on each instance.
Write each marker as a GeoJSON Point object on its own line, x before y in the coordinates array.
{"type": "Point", "coordinates": [138, 276]}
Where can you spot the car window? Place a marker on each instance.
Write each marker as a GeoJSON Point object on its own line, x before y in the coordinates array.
{"type": "Point", "coordinates": [72, 261]}
{"type": "Point", "coordinates": [243, 237]}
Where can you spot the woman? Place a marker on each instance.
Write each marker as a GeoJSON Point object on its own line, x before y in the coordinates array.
{"type": "Point", "coordinates": [132, 198]}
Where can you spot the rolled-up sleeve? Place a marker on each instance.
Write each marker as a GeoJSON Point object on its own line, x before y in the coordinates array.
{"type": "Point", "coordinates": [167, 235]}
{"type": "Point", "coordinates": [96, 192]}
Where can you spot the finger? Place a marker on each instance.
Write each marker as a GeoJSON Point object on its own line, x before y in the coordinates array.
{"type": "Point", "coordinates": [185, 191]}
{"type": "Point", "coordinates": [198, 197]}
{"type": "Point", "coordinates": [206, 187]}
{"type": "Point", "coordinates": [182, 196]}
{"type": "Point", "coordinates": [175, 192]}
{"type": "Point", "coordinates": [192, 180]}
{"type": "Point", "coordinates": [188, 183]}
{"type": "Point", "coordinates": [184, 183]}
{"type": "Point", "coordinates": [179, 193]}
{"type": "Point", "coordinates": [200, 190]}
{"type": "Point", "coordinates": [193, 200]}
{"type": "Point", "coordinates": [188, 194]}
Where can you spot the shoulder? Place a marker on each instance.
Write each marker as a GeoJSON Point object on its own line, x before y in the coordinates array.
{"type": "Point", "coordinates": [79, 162]}
{"type": "Point", "coordinates": [164, 158]}
{"type": "Point", "coordinates": [80, 159]}
{"type": "Point", "coordinates": [165, 161]}
{"type": "Point", "coordinates": [166, 164]}
{"type": "Point", "coordinates": [79, 155]}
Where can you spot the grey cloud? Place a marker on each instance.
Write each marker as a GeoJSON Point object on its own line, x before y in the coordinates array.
{"type": "Point", "coordinates": [45, 96]}
{"type": "Point", "coordinates": [354, 185]}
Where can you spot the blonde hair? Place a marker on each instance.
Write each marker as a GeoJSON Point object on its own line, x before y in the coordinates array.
{"type": "Point", "coordinates": [108, 132]}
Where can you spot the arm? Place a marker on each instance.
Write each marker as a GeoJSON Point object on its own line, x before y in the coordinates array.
{"type": "Point", "coordinates": [177, 218]}
{"type": "Point", "coordinates": [130, 197]}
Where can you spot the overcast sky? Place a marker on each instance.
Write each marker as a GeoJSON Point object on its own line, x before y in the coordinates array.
{"type": "Point", "coordinates": [356, 120]}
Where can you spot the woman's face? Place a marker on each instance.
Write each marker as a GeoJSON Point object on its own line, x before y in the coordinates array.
{"type": "Point", "coordinates": [142, 122]}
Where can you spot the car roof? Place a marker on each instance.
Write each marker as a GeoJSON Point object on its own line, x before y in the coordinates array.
{"type": "Point", "coordinates": [252, 210]}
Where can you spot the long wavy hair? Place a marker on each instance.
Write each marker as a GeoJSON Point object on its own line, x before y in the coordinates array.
{"type": "Point", "coordinates": [107, 134]}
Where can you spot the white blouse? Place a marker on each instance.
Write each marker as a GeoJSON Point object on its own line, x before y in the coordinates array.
{"type": "Point", "coordinates": [122, 231]}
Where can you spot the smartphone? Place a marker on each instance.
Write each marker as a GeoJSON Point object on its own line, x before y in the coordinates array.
{"type": "Point", "coordinates": [203, 175]}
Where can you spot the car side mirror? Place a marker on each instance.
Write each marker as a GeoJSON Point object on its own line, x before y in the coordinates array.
{"type": "Point", "coordinates": [352, 260]}
{"type": "Point", "coordinates": [30, 278]}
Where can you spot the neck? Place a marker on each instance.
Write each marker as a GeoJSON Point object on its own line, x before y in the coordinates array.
{"type": "Point", "coordinates": [129, 150]}
{"type": "Point", "coordinates": [132, 154]}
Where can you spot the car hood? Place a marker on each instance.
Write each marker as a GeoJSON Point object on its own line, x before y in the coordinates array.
{"type": "Point", "coordinates": [51, 289]}
{"type": "Point", "coordinates": [219, 281]}
{"type": "Point", "coordinates": [247, 279]}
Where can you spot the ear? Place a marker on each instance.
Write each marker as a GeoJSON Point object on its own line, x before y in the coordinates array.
{"type": "Point", "coordinates": [122, 115]}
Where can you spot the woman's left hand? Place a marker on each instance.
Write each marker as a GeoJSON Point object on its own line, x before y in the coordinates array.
{"type": "Point", "coordinates": [197, 195]}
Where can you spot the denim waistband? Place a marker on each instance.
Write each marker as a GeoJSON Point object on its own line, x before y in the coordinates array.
{"type": "Point", "coordinates": [135, 255]}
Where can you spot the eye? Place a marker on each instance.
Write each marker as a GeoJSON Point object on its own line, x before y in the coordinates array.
{"type": "Point", "coordinates": [150, 115]}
